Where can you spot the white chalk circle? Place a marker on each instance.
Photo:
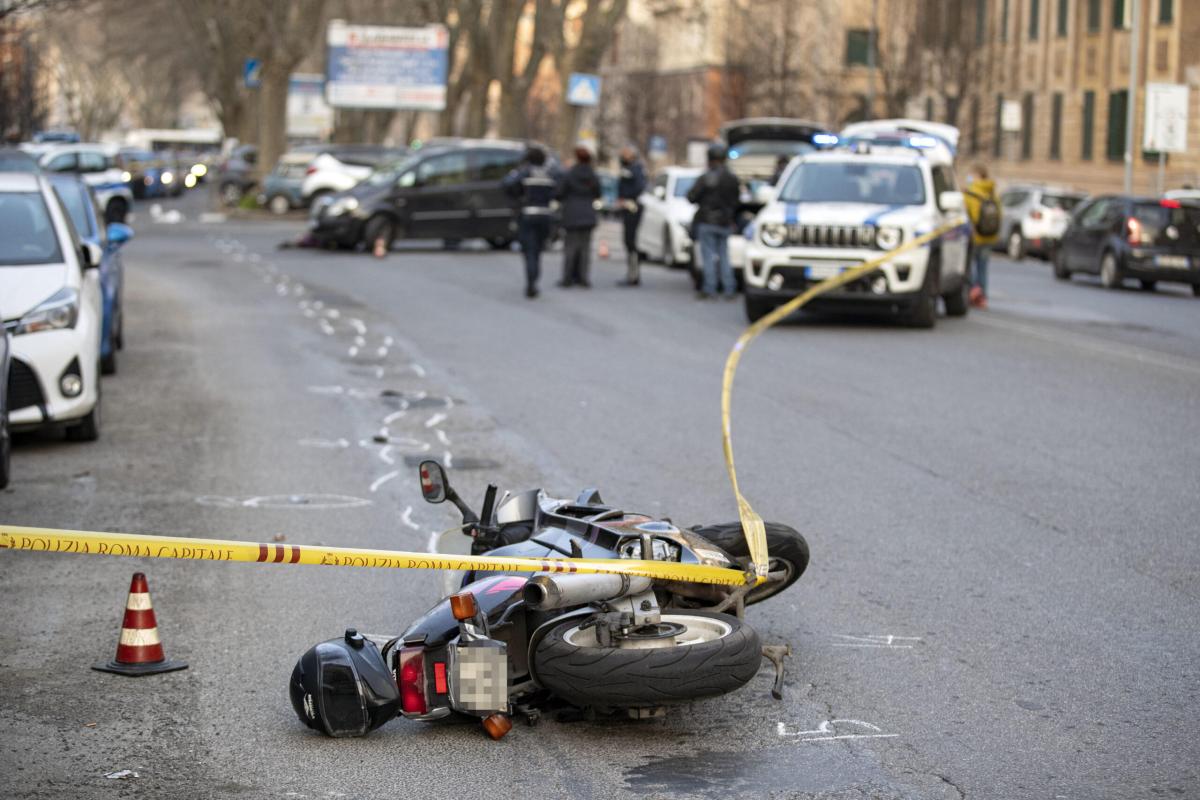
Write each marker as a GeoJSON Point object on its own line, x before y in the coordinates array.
{"type": "Point", "coordinates": [302, 501]}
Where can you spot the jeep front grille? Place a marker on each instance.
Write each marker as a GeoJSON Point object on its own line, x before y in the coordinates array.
{"type": "Point", "coordinates": [831, 235]}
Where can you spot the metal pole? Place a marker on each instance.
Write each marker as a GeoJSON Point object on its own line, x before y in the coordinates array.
{"type": "Point", "coordinates": [1162, 172]}
{"type": "Point", "coordinates": [871, 60]}
{"type": "Point", "coordinates": [1135, 32]}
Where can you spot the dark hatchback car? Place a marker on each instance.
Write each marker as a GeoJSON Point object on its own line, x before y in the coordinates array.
{"type": "Point", "coordinates": [449, 192]}
{"type": "Point", "coordinates": [1119, 237]}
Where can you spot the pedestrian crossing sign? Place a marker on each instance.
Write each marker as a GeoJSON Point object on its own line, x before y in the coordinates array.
{"type": "Point", "coordinates": [583, 89]}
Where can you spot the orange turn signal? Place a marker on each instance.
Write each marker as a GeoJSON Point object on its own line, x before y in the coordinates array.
{"type": "Point", "coordinates": [463, 606]}
{"type": "Point", "coordinates": [497, 726]}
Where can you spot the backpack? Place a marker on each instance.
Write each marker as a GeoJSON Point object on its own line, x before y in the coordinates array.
{"type": "Point", "coordinates": [988, 223]}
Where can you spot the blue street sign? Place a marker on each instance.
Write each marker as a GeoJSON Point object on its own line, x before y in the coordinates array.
{"type": "Point", "coordinates": [583, 89]}
{"type": "Point", "coordinates": [658, 145]}
{"type": "Point", "coordinates": [252, 73]}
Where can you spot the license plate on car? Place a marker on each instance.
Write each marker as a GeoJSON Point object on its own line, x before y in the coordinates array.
{"type": "Point", "coordinates": [819, 272]}
{"type": "Point", "coordinates": [1177, 262]}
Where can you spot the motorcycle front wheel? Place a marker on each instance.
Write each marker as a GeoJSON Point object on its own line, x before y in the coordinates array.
{"type": "Point", "coordinates": [714, 654]}
{"type": "Point", "coordinates": [787, 553]}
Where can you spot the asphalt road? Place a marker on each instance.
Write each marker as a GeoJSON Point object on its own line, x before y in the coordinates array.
{"type": "Point", "coordinates": [1002, 514]}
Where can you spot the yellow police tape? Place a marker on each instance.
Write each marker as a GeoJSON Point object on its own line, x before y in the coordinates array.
{"type": "Point", "coordinates": [51, 540]}
{"type": "Point", "coordinates": [752, 523]}
{"type": "Point", "coordinates": [152, 546]}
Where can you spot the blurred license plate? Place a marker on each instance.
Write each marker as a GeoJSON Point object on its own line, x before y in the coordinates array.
{"type": "Point", "coordinates": [1180, 262]}
{"type": "Point", "coordinates": [819, 272]}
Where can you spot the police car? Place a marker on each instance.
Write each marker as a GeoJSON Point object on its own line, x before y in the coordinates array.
{"type": "Point", "coordinates": [885, 183]}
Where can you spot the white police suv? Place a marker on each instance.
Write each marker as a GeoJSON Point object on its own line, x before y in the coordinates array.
{"type": "Point", "coordinates": [885, 184]}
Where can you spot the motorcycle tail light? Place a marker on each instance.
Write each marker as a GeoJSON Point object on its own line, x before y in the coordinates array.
{"type": "Point", "coordinates": [439, 677]}
{"type": "Point", "coordinates": [411, 679]}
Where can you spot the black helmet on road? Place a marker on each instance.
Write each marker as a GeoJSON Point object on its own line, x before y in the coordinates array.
{"type": "Point", "coordinates": [717, 151]}
{"type": "Point", "coordinates": [343, 687]}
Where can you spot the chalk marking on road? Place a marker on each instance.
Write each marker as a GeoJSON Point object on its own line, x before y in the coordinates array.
{"type": "Point", "coordinates": [379, 372]}
{"type": "Point", "coordinates": [327, 389]}
{"type": "Point", "coordinates": [382, 479]}
{"type": "Point", "coordinates": [382, 352]}
{"type": "Point", "coordinates": [449, 403]}
{"type": "Point", "coordinates": [826, 733]}
{"type": "Point", "coordinates": [1107, 348]}
{"type": "Point", "coordinates": [886, 641]}
{"type": "Point", "coordinates": [360, 341]}
{"type": "Point", "coordinates": [406, 518]}
{"type": "Point", "coordinates": [418, 369]}
{"type": "Point", "coordinates": [352, 352]}
{"type": "Point", "coordinates": [442, 437]}
{"type": "Point", "coordinates": [318, 304]}
{"type": "Point", "coordinates": [331, 444]}
{"type": "Point", "coordinates": [392, 417]}
{"type": "Point", "coordinates": [359, 326]}
{"type": "Point", "coordinates": [436, 419]}
{"type": "Point", "coordinates": [333, 313]}
{"type": "Point", "coordinates": [304, 501]}
{"type": "Point", "coordinates": [388, 341]}
{"type": "Point", "coordinates": [448, 460]}
{"type": "Point", "coordinates": [386, 454]}
{"type": "Point", "coordinates": [326, 328]}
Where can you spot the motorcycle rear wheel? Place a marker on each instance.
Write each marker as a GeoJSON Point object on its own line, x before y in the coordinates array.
{"type": "Point", "coordinates": [715, 655]}
{"type": "Point", "coordinates": [787, 553]}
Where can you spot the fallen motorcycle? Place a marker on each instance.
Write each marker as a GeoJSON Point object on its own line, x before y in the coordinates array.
{"type": "Point", "coordinates": [508, 642]}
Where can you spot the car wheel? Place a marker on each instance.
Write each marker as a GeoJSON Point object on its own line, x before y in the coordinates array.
{"type": "Point", "coordinates": [1016, 246]}
{"type": "Point", "coordinates": [231, 193]}
{"type": "Point", "coordinates": [379, 227]}
{"type": "Point", "coordinates": [1196, 290]}
{"type": "Point", "coordinates": [668, 251]}
{"type": "Point", "coordinates": [500, 242]}
{"type": "Point", "coordinates": [88, 428]}
{"type": "Point", "coordinates": [108, 363]}
{"type": "Point", "coordinates": [958, 301]}
{"type": "Point", "coordinates": [1110, 273]}
{"type": "Point", "coordinates": [116, 210]}
{"type": "Point", "coordinates": [1060, 265]}
{"type": "Point", "coordinates": [1148, 286]}
{"type": "Point", "coordinates": [924, 310]}
{"type": "Point", "coordinates": [279, 205]}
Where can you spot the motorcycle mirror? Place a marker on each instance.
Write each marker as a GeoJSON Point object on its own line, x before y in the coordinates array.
{"type": "Point", "coordinates": [434, 485]}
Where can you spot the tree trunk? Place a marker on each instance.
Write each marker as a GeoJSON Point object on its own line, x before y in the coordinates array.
{"type": "Point", "coordinates": [272, 133]}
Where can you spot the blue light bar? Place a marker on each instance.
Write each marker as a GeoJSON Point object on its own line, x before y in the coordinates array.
{"type": "Point", "coordinates": [825, 139]}
{"type": "Point", "coordinates": [922, 141]}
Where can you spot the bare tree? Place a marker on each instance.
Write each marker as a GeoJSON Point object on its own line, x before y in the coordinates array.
{"type": "Point", "coordinates": [952, 59]}
{"type": "Point", "coordinates": [579, 46]}
{"type": "Point", "coordinates": [92, 91]}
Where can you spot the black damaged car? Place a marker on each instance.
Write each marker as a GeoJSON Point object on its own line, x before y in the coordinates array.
{"type": "Point", "coordinates": [450, 192]}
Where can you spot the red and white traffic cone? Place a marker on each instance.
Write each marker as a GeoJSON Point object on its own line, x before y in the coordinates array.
{"type": "Point", "coordinates": [139, 651]}
{"type": "Point", "coordinates": [602, 250]}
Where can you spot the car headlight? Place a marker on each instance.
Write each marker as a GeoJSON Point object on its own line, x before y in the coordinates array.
{"type": "Point", "coordinates": [60, 311]}
{"type": "Point", "coordinates": [343, 205]}
{"type": "Point", "coordinates": [126, 177]}
{"type": "Point", "coordinates": [199, 170]}
{"type": "Point", "coordinates": [774, 234]}
{"type": "Point", "coordinates": [167, 177]}
{"type": "Point", "coordinates": [888, 238]}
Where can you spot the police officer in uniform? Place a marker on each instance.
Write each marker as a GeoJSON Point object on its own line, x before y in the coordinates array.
{"type": "Point", "coordinates": [534, 183]}
{"type": "Point", "coordinates": [630, 184]}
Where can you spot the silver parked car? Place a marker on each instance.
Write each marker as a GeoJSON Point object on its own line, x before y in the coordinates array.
{"type": "Point", "coordinates": [1034, 219]}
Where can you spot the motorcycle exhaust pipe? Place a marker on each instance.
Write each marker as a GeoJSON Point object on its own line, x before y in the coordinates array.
{"type": "Point", "coordinates": [561, 591]}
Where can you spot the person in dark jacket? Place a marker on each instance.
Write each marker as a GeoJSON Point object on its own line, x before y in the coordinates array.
{"type": "Point", "coordinates": [630, 185]}
{"type": "Point", "coordinates": [578, 191]}
{"type": "Point", "coordinates": [715, 194]}
{"type": "Point", "coordinates": [534, 182]}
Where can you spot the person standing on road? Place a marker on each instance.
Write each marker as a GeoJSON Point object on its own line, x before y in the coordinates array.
{"type": "Point", "coordinates": [534, 182]}
{"type": "Point", "coordinates": [631, 182]}
{"type": "Point", "coordinates": [578, 191]}
{"type": "Point", "coordinates": [983, 209]}
{"type": "Point", "coordinates": [716, 196]}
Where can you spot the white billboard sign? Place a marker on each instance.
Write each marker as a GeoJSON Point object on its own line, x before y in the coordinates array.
{"type": "Point", "coordinates": [377, 66]}
{"type": "Point", "coordinates": [1166, 123]}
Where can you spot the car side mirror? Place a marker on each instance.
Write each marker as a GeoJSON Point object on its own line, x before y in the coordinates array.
{"type": "Point", "coordinates": [91, 254]}
{"type": "Point", "coordinates": [950, 201]}
{"type": "Point", "coordinates": [660, 192]}
{"type": "Point", "coordinates": [764, 195]}
{"type": "Point", "coordinates": [434, 486]}
{"type": "Point", "coordinates": [118, 233]}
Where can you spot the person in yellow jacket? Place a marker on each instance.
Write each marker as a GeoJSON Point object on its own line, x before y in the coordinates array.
{"type": "Point", "coordinates": [983, 209]}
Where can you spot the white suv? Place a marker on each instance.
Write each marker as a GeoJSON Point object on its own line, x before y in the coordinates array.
{"type": "Point", "coordinates": [836, 209]}
{"type": "Point", "coordinates": [340, 167]}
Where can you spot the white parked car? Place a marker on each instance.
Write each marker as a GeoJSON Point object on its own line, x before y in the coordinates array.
{"type": "Point", "coordinates": [839, 208]}
{"type": "Point", "coordinates": [663, 231]}
{"type": "Point", "coordinates": [341, 167]}
{"type": "Point", "coordinates": [50, 283]}
{"type": "Point", "coordinates": [97, 165]}
{"type": "Point", "coordinates": [1034, 219]}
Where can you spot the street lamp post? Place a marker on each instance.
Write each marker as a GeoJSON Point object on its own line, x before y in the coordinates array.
{"type": "Point", "coordinates": [1135, 32]}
